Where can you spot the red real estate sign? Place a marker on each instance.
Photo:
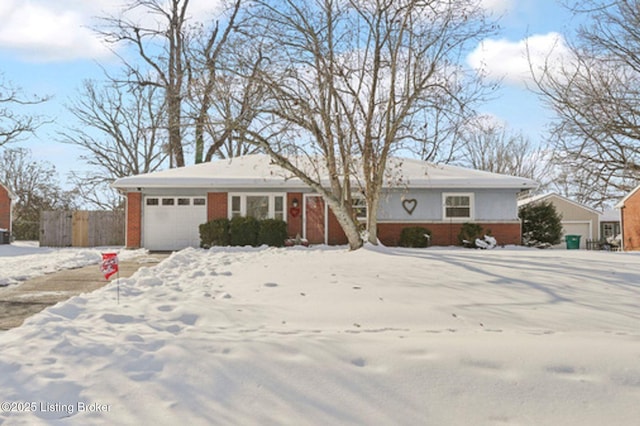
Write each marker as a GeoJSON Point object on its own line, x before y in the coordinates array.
{"type": "Point", "coordinates": [109, 265]}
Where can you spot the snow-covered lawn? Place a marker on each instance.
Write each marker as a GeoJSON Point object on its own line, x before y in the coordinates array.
{"type": "Point", "coordinates": [25, 259]}
{"type": "Point", "coordinates": [324, 336]}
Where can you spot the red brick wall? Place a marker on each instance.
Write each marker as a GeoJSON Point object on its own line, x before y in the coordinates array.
{"type": "Point", "coordinates": [336, 234]}
{"type": "Point", "coordinates": [134, 219]}
{"type": "Point", "coordinates": [631, 222]}
{"type": "Point", "coordinates": [445, 234]}
{"type": "Point", "coordinates": [294, 214]}
{"type": "Point", "coordinates": [217, 205]}
{"type": "Point", "coordinates": [5, 209]}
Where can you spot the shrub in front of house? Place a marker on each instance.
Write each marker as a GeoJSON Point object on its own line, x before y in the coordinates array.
{"type": "Point", "coordinates": [214, 233]}
{"type": "Point", "coordinates": [541, 224]}
{"type": "Point", "coordinates": [415, 236]}
{"type": "Point", "coordinates": [272, 232]}
{"type": "Point", "coordinates": [469, 233]}
{"type": "Point", "coordinates": [244, 231]}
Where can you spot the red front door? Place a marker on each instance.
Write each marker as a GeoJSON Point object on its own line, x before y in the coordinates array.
{"type": "Point", "coordinates": [314, 213]}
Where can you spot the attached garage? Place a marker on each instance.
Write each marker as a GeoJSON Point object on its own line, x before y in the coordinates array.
{"type": "Point", "coordinates": [172, 222]}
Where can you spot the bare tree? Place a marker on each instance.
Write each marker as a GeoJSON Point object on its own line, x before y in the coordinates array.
{"type": "Point", "coordinates": [233, 96]}
{"type": "Point", "coordinates": [181, 57]}
{"type": "Point", "coordinates": [234, 100]}
{"type": "Point", "coordinates": [491, 147]}
{"type": "Point", "coordinates": [161, 46]}
{"type": "Point", "coordinates": [205, 61]}
{"type": "Point", "coordinates": [352, 82]}
{"type": "Point", "coordinates": [119, 129]}
{"type": "Point", "coordinates": [13, 125]}
{"type": "Point", "coordinates": [36, 187]}
{"type": "Point", "coordinates": [595, 94]}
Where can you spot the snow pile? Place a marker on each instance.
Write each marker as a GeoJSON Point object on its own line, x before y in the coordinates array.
{"type": "Point", "coordinates": [324, 336]}
{"type": "Point", "coordinates": [488, 242]}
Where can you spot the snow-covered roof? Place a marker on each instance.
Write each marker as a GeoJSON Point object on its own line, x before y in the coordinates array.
{"type": "Point", "coordinates": [258, 170]}
{"type": "Point", "coordinates": [546, 196]}
{"type": "Point", "coordinates": [610, 215]}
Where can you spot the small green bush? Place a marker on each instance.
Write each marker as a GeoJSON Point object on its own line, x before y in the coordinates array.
{"type": "Point", "coordinates": [25, 230]}
{"type": "Point", "coordinates": [469, 233]}
{"type": "Point", "coordinates": [273, 232]}
{"type": "Point", "coordinates": [214, 233]}
{"type": "Point", "coordinates": [415, 236]}
{"type": "Point", "coordinates": [244, 231]}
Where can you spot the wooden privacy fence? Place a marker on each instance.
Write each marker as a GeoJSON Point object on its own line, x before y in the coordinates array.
{"type": "Point", "coordinates": [81, 228]}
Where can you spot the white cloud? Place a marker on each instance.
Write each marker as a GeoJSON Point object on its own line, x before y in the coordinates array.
{"type": "Point", "coordinates": [497, 7]}
{"type": "Point", "coordinates": [47, 31]}
{"type": "Point", "coordinates": [508, 60]}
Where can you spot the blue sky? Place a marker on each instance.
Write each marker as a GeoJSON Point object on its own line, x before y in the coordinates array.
{"type": "Point", "coordinates": [47, 48]}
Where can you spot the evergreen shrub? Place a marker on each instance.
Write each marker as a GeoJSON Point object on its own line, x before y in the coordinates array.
{"type": "Point", "coordinates": [469, 233]}
{"type": "Point", "coordinates": [415, 236]}
{"type": "Point", "coordinates": [541, 224]}
{"type": "Point", "coordinates": [272, 232]}
{"type": "Point", "coordinates": [244, 231]}
{"type": "Point", "coordinates": [214, 233]}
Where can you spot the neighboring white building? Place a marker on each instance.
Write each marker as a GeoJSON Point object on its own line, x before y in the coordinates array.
{"type": "Point", "coordinates": [610, 224]}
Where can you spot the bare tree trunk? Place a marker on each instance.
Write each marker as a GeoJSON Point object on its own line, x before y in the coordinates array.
{"type": "Point", "coordinates": [210, 57]}
{"type": "Point", "coordinates": [372, 216]}
{"type": "Point", "coordinates": [162, 48]}
{"type": "Point", "coordinates": [304, 171]}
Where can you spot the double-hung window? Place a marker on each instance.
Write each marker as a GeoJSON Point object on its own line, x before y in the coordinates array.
{"type": "Point", "coordinates": [457, 206]}
{"type": "Point", "coordinates": [258, 205]}
{"type": "Point", "coordinates": [359, 206]}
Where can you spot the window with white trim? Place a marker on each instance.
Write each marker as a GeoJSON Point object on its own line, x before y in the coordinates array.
{"type": "Point", "coordinates": [278, 208]}
{"type": "Point", "coordinates": [359, 206]}
{"type": "Point", "coordinates": [610, 229]}
{"type": "Point", "coordinates": [258, 205]}
{"type": "Point", "coordinates": [236, 203]}
{"type": "Point", "coordinates": [457, 206]}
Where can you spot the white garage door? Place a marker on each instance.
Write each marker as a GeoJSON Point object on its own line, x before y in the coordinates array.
{"type": "Point", "coordinates": [577, 228]}
{"type": "Point", "coordinates": [171, 223]}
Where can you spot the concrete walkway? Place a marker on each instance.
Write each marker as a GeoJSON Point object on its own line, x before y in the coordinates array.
{"type": "Point", "coordinates": [20, 301]}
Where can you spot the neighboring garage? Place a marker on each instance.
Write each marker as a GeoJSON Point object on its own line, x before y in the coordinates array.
{"type": "Point", "coordinates": [172, 222]}
{"type": "Point", "coordinates": [577, 219]}
{"type": "Point", "coordinates": [576, 228]}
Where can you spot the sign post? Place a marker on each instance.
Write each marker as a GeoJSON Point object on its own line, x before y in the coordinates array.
{"type": "Point", "coordinates": [109, 266]}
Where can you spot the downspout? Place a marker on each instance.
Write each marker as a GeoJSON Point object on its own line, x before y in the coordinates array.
{"type": "Point", "coordinates": [622, 228]}
{"type": "Point", "coordinates": [10, 217]}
